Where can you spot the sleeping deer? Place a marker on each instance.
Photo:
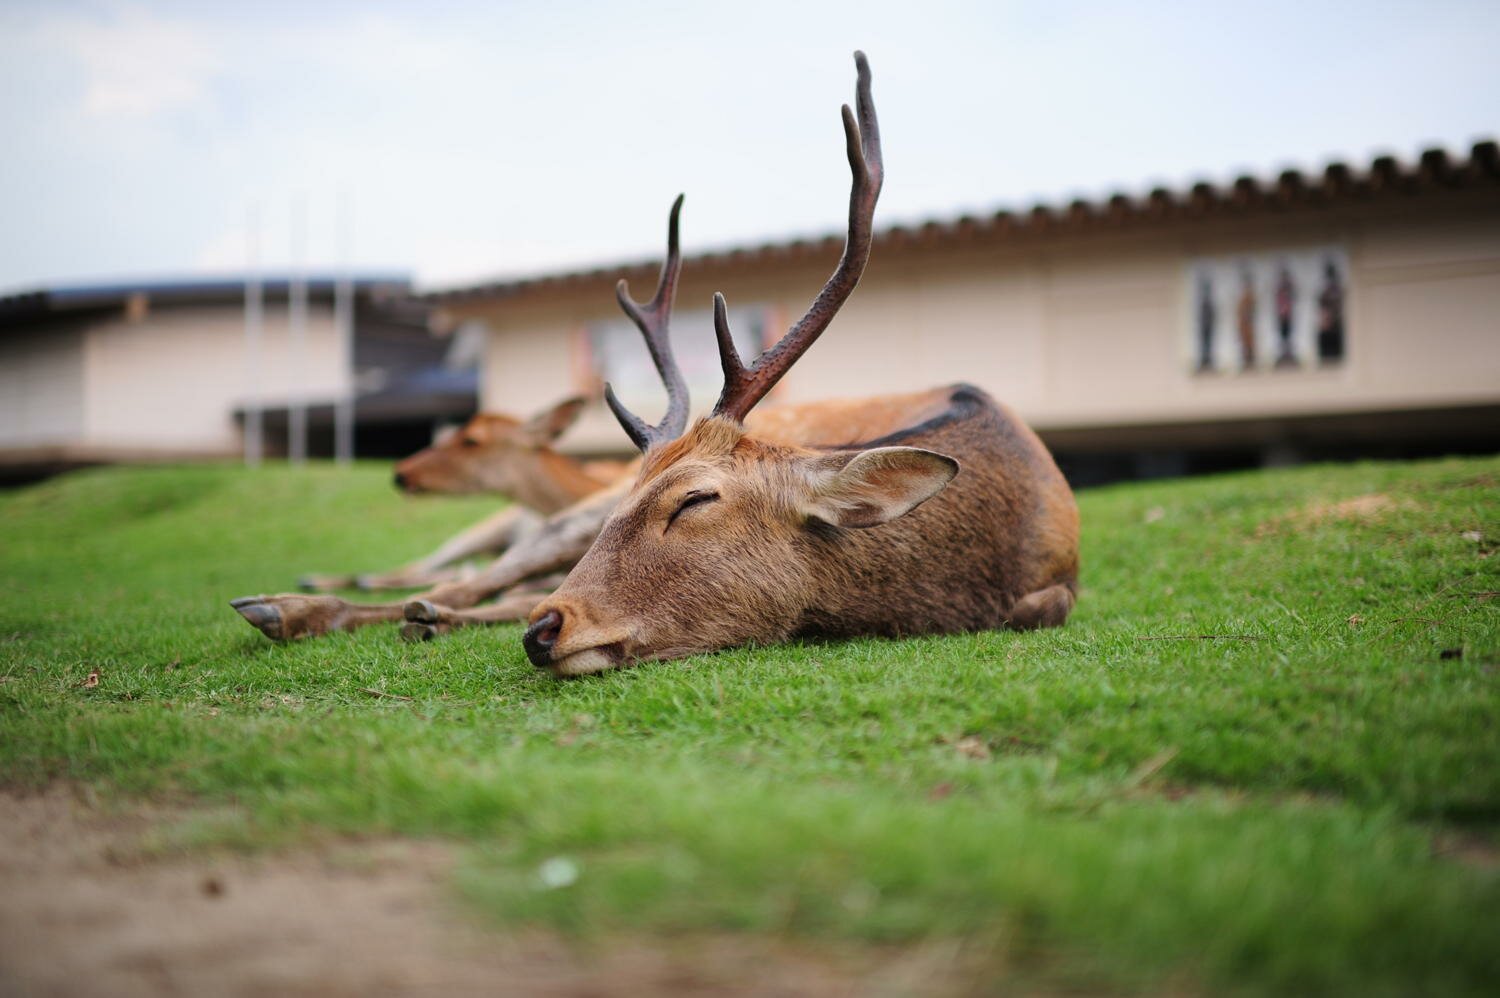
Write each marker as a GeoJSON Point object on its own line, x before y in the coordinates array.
{"type": "Point", "coordinates": [952, 517]}
{"type": "Point", "coordinates": [947, 515]}
{"type": "Point", "coordinates": [492, 453]}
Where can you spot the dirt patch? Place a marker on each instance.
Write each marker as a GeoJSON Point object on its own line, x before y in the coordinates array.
{"type": "Point", "coordinates": [87, 911]}
{"type": "Point", "coordinates": [1359, 509]}
{"type": "Point", "coordinates": [1470, 849]}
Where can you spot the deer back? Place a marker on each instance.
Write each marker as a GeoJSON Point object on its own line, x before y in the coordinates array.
{"type": "Point", "coordinates": [1005, 526]}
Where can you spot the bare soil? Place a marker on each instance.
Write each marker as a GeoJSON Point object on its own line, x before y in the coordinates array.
{"type": "Point", "coordinates": [87, 908]}
{"type": "Point", "coordinates": [1359, 509]}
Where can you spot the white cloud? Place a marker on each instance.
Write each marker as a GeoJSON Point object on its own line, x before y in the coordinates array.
{"type": "Point", "coordinates": [137, 63]}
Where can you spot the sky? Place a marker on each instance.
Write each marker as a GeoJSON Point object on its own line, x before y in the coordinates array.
{"type": "Point", "coordinates": [461, 142]}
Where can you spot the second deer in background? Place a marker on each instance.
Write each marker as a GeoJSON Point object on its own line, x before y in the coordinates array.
{"type": "Point", "coordinates": [491, 454]}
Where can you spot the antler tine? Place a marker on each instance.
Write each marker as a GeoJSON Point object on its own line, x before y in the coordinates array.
{"type": "Point", "coordinates": [653, 319]}
{"type": "Point", "coordinates": [744, 387]}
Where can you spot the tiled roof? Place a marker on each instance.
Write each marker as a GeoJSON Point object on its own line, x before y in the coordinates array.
{"type": "Point", "coordinates": [31, 305]}
{"type": "Point", "coordinates": [1385, 177]}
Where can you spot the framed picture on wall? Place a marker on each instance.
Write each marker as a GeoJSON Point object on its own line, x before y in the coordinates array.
{"type": "Point", "coordinates": [1276, 311]}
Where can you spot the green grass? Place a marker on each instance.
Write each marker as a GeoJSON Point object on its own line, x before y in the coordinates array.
{"type": "Point", "coordinates": [1308, 801]}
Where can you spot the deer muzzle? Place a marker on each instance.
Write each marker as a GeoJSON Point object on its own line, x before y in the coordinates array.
{"type": "Point", "coordinates": [540, 638]}
{"type": "Point", "coordinates": [563, 640]}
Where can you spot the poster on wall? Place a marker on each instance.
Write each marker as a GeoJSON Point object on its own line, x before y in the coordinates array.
{"type": "Point", "coordinates": [1282, 310]}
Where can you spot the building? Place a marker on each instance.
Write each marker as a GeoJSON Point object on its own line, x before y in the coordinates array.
{"type": "Point", "coordinates": [1301, 316]}
{"type": "Point", "coordinates": [162, 371]}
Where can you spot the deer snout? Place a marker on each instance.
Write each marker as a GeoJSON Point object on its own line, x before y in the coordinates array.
{"type": "Point", "coordinates": [401, 480]}
{"type": "Point", "coordinates": [541, 636]}
{"type": "Point", "coordinates": [565, 638]}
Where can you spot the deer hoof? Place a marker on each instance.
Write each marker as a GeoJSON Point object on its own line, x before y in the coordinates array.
{"type": "Point", "coordinates": [266, 619]}
{"type": "Point", "coordinates": [415, 631]}
{"type": "Point", "coordinates": [421, 611]}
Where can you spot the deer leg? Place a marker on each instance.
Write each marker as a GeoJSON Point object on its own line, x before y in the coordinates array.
{"type": "Point", "coordinates": [295, 615]}
{"type": "Point", "coordinates": [1044, 608]}
{"type": "Point", "coordinates": [315, 582]}
{"type": "Point", "coordinates": [413, 576]}
{"type": "Point", "coordinates": [489, 536]}
{"type": "Point", "coordinates": [559, 542]}
{"type": "Point", "coordinates": [426, 620]}
{"type": "Point", "coordinates": [556, 546]}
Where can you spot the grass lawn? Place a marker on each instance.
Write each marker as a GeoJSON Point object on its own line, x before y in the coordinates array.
{"type": "Point", "coordinates": [1263, 756]}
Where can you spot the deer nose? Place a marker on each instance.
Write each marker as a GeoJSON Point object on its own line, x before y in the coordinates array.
{"type": "Point", "coordinates": [400, 480]}
{"type": "Point", "coordinates": [541, 636]}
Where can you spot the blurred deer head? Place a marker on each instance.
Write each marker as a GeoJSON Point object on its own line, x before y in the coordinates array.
{"type": "Point", "coordinates": [496, 453]}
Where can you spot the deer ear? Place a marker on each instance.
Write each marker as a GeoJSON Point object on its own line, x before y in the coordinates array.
{"type": "Point", "coordinates": [875, 486]}
{"type": "Point", "coordinates": [549, 424]}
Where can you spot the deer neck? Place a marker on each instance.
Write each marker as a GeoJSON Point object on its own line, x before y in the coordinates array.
{"type": "Point", "coordinates": [559, 482]}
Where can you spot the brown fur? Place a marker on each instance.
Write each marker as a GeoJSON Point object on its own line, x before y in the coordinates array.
{"type": "Point", "coordinates": [997, 546]}
{"type": "Point", "coordinates": [836, 422]}
{"type": "Point", "coordinates": [497, 453]}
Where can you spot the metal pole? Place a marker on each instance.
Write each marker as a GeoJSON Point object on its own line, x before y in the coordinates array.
{"type": "Point", "coordinates": [296, 444]}
{"type": "Point", "coordinates": [343, 319]}
{"type": "Point", "coordinates": [254, 323]}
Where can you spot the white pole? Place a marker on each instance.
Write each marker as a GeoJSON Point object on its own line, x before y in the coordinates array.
{"type": "Point", "coordinates": [254, 322]}
{"type": "Point", "coordinates": [296, 429]}
{"type": "Point", "coordinates": [343, 319]}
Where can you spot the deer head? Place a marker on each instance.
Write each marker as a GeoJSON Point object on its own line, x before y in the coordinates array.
{"type": "Point", "coordinates": [496, 453]}
{"type": "Point", "coordinates": [726, 538]}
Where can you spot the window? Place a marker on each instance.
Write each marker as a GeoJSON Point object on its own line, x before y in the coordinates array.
{"type": "Point", "coordinates": [1275, 311]}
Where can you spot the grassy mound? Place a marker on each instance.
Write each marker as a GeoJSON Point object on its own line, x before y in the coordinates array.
{"type": "Point", "coordinates": [1263, 755]}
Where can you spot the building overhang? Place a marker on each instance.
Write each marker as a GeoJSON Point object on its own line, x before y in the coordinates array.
{"type": "Point", "coordinates": [1386, 180]}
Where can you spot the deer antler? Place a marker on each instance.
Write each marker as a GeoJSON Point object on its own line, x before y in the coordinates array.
{"type": "Point", "coordinates": [744, 387]}
{"type": "Point", "coordinates": [652, 320]}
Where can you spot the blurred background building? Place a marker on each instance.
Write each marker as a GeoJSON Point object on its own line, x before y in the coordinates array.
{"type": "Point", "coordinates": [1267, 321]}
{"type": "Point", "coordinates": [499, 152]}
{"type": "Point", "coordinates": [163, 371]}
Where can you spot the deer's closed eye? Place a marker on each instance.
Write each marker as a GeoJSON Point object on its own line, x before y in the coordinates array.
{"type": "Point", "coordinates": [689, 501]}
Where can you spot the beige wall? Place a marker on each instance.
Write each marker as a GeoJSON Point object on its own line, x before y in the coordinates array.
{"type": "Point", "coordinates": [167, 383]}
{"type": "Point", "coordinates": [174, 379]}
{"type": "Point", "coordinates": [1089, 331]}
{"type": "Point", "coordinates": [41, 387]}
